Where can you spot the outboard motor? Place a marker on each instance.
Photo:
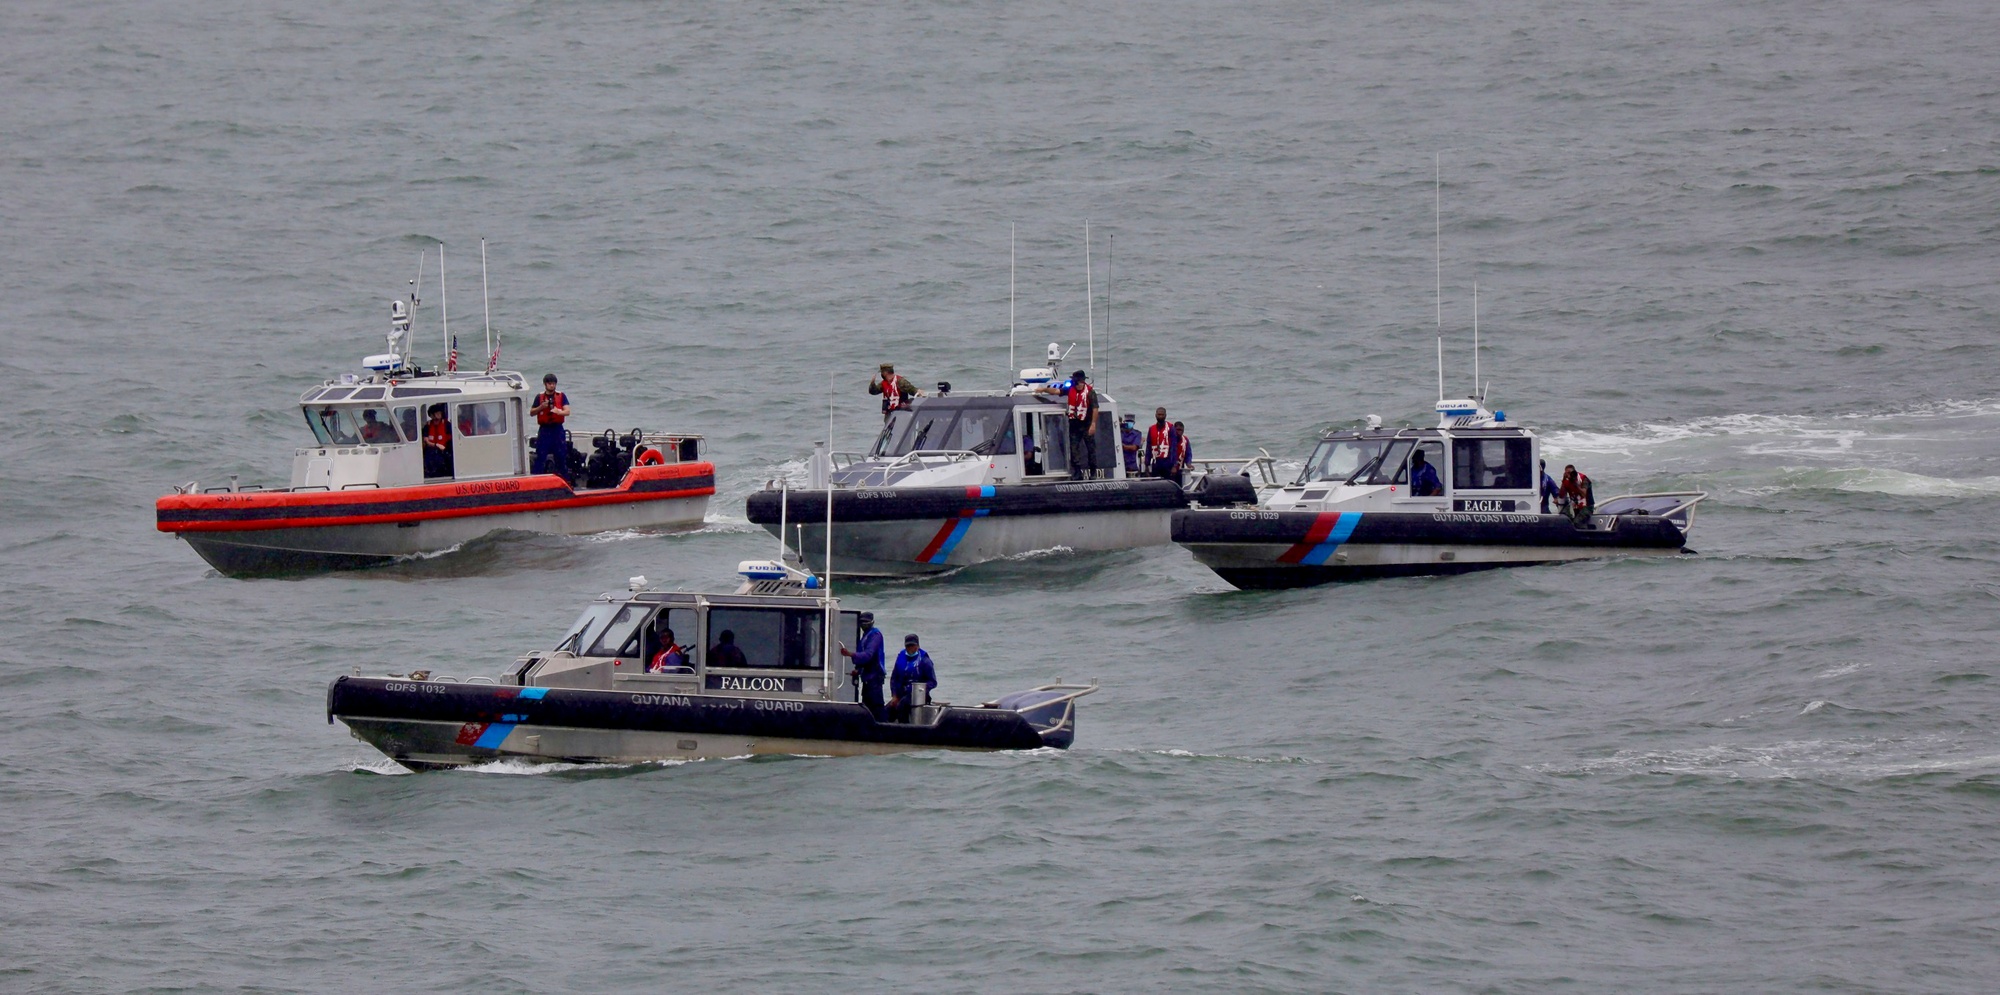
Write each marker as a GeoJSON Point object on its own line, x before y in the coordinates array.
{"type": "Point", "coordinates": [607, 465]}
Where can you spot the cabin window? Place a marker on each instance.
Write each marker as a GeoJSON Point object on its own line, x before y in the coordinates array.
{"type": "Point", "coordinates": [368, 394]}
{"type": "Point", "coordinates": [679, 622]}
{"type": "Point", "coordinates": [1491, 464]}
{"type": "Point", "coordinates": [619, 636]}
{"type": "Point", "coordinates": [333, 426]}
{"type": "Point", "coordinates": [1341, 459]}
{"type": "Point", "coordinates": [584, 632]}
{"type": "Point", "coordinates": [1386, 468]}
{"type": "Point", "coordinates": [375, 428]}
{"type": "Point", "coordinates": [948, 426]}
{"type": "Point", "coordinates": [984, 431]}
{"type": "Point", "coordinates": [483, 418]}
{"type": "Point", "coordinates": [411, 423]}
{"type": "Point", "coordinates": [335, 394]}
{"type": "Point", "coordinates": [1433, 451]}
{"type": "Point", "coordinates": [784, 638]}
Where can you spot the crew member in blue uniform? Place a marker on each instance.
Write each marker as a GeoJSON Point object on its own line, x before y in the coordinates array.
{"type": "Point", "coordinates": [1424, 480]}
{"type": "Point", "coordinates": [551, 442]}
{"type": "Point", "coordinates": [1132, 442]}
{"type": "Point", "coordinates": [869, 663]}
{"type": "Point", "coordinates": [1549, 487]}
{"type": "Point", "coordinates": [912, 665]}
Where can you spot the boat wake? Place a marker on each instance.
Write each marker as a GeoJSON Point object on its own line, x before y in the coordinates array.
{"type": "Point", "coordinates": [1943, 450]}
{"type": "Point", "coordinates": [1792, 760]}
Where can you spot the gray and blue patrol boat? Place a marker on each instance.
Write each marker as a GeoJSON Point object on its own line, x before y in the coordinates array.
{"type": "Point", "coordinates": [651, 675]}
{"type": "Point", "coordinates": [1352, 515]}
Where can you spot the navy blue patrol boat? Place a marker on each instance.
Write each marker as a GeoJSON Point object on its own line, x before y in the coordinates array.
{"type": "Point", "coordinates": [1352, 514]}
{"type": "Point", "coordinates": [630, 682]}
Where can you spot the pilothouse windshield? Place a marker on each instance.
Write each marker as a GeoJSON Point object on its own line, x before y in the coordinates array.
{"type": "Point", "coordinates": [983, 429]}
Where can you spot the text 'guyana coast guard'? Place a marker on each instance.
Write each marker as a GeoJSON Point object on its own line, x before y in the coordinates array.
{"type": "Point", "coordinates": [409, 461]}
{"type": "Point", "coordinates": [961, 478]}
{"type": "Point", "coordinates": [647, 675]}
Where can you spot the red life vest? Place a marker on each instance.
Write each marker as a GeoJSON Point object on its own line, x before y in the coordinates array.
{"type": "Point", "coordinates": [892, 394]}
{"type": "Point", "coordinates": [437, 434]}
{"type": "Point", "coordinates": [1159, 442]}
{"type": "Point", "coordinates": [546, 416]}
{"type": "Point", "coordinates": [650, 457]}
{"type": "Point", "coordinates": [1078, 407]}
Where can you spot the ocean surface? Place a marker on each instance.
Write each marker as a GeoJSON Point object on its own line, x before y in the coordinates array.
{"type": "Point", "coordinates": [1747, 248]}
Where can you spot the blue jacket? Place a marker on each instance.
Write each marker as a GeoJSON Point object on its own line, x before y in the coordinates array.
{"type": "Point", "coordinates": [1549, 490]}
{"type": "Point", "coordinates": [911, 669]}
{"type": "Point", "coordinates": [1424, 481]}
{"type": "Point", "coordinates": [868, 659]}
{"type": "Point", "coordinates": [1129, 436]}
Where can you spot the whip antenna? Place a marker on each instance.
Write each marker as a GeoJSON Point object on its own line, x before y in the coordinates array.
{"type": "Point", "coordinates": [1437, 255]}
{"type": "Point", "coordinates": [485, 304]}
{"type": "Point", "coordinates": [1089, 298]}
{"type": "Point", "coordinates": [444, 305]}
{"type": "Point", "coordinates": [1109, 297]}
{"type": "Point", "coordinates": [1475, 342]}
{"type": "Point", "coordinates": [1012, 370]}
{"type": "Point", "coordinates": [826, 585]}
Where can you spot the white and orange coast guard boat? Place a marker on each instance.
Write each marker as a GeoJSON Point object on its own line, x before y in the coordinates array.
{"type": "Point", "coordinates": [366, 494]}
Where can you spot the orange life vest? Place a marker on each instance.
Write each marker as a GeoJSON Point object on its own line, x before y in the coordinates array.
{"type": "Point", "coordinates": [546, 416]}
{"type": "Point", "coordinates": [1159, 442]}
{"type": "Point", "coordinates": [892, 394]}
{"type": "Point", "coordinates": [438, 434]}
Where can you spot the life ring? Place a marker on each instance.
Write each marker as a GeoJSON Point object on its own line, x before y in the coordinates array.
{"type": "Point", "coordinates": [648, 456]}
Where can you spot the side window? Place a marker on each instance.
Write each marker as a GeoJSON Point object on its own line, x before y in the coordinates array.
{"type": "Point", "coordinates": [1491, 464]}
{"type": "Point", "coordinates": [1433, 454]}
{"type": "Point", "coordinates": [764, 637]}
{"type": "Point", "coordinates": [407, 418]}
{"type": "Point", "coordinates": [483, 418]}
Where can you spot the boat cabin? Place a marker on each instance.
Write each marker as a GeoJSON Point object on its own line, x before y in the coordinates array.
{"type": "Point", "coordinates": [1483, 464]}
{"type": "Point", "coordinates": [370, 432]}
{"type": "Point", "coordinates": [979, 438]}
{"type": "Point", "coordinates": [769, 639]}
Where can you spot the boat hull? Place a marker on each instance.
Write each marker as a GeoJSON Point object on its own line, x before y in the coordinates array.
{"type": "Point", "coordinates": [274, 533]}
{"type": "Point", "coordinates": [1266, 549]}
{"type": "Point", "coordinates": [428, 725]}
{"type": "Point", "coordinates": [898, 532]}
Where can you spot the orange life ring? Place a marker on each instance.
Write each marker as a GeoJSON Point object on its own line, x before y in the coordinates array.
{"type": "Point", "coordinates": [650, 457]}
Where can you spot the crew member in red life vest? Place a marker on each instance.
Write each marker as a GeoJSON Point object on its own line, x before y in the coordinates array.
{"type": "Point", "coordinates": [1163, 447]}
{"type": "Point", "coordinates": [1080, 408]}
{"type": "Point", "coordinates": [897, 391]}
{"type": "Point", "coordinates": [437, 444]}
{"type": "Point", "coordinates": [1576, 496]}
{"type": "Point", "coordinates": [551, 442]}
{"type": "Point", "coordinates": [671, 659]}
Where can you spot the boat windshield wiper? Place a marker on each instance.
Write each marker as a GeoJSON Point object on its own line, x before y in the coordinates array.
{"type": "Point", "coordinates": [1367, 469]}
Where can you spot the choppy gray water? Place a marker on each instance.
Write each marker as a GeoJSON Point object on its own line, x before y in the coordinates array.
{"type": "Point", "coordinates": [1745, 247]}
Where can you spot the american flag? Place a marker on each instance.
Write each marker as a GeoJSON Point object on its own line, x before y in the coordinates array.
{"type": "Point", "coordinates": [493, 361]}
{"type": "Point", "coordinates": [451, 360]}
